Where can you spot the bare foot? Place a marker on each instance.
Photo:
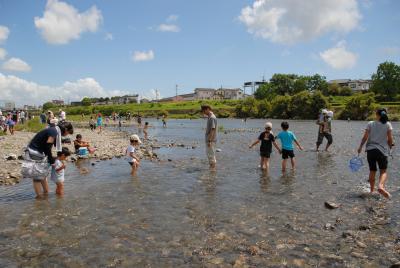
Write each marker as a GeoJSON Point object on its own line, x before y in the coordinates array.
{"type": "Point", "coordinates": [384, 193]}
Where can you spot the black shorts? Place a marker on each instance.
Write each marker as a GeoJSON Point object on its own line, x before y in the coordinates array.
{"type": "Point", "coordinates": [321, 136]}
{"type": "Point", "coordinates": [374, 157]}
{"type": "Point", "coordinates": [265, 154]}
{"type": "Point", "coordinates": [287, 153]}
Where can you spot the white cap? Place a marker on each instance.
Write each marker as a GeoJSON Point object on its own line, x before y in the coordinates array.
{"type": "Point", "coordinates": [330, 113]}
{"type": "Point", "coordinates": [324, 111]}
{"type": "Point", "coordinates": [268, 125]}
{"type": "Point", "coordinates": [135, 137]}
{"type": "Point", "coordinates": [54, 121]}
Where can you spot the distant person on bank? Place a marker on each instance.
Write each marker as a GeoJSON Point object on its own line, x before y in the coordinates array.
{"type": "Point", "coordinates": [211, 135]}
{"type": "Point", "coordinates": [325, 129]}
{"type": "Point", "coordinates": [379, 138]}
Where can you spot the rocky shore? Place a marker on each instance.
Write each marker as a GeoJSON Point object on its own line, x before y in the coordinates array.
{"type": "Point", "coordinates": [108, 144]}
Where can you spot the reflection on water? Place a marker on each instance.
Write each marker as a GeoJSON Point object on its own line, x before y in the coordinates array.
{"type": "Point", "coordinates": [179, 214]}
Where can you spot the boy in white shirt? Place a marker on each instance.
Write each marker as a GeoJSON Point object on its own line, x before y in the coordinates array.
{"type": "Point", "coordinates": [57, 170]}
{"type": "Point", "coordinates": [133, 159]}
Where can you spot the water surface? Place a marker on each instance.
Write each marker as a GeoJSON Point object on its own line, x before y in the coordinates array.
{"type": "Point", "coordinates": [177, 213]}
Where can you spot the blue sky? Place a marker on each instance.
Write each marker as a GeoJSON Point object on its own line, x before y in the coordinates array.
{"type": "Point", "coordinates": [71, 48]}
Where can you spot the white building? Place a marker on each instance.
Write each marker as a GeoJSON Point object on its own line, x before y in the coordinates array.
{"type": "Point", "coordinates": [218, 94]}
{"type": "Point", "coordinates": [355, 85]}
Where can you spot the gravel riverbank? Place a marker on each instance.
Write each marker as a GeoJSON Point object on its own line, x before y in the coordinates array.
{"type": "Point", "coordinates": [108, 144]}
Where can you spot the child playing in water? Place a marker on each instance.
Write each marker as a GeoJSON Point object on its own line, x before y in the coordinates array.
{"type": "Point", "coordinates": [287, 138]}
{"type": "Point", "coordinates": [267, 139]}
{"type": "Point", "coordinates": [133, 159]}
{"type": "Point", "coordinates": [146, 127]}
{"type": "Point", "coordinates": [57, 170]}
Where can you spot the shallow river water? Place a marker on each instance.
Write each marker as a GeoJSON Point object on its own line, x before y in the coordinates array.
{"type": "Point", "coordinates": [179, 214]}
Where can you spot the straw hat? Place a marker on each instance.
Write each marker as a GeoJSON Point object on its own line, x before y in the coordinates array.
{"type": "Point", "coordinates": [135, 137]}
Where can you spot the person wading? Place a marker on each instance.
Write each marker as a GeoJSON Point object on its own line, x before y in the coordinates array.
{"type": "Point", "coordinates": [379, 139]}
{"type": "Point", "coordinates": [211, 135]}
{"type": "Point", "coordinates": [40, 148]}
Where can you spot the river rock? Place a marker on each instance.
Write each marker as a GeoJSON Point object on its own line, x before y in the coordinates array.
{"type": "Point", "coordinates": [331, 205]}
{"type": "Point", "coordinates": [11, 157]}
{"type": "Point", "coordinates": [359, 255]}
{"type": "Point", "coordinates": [396, 265]}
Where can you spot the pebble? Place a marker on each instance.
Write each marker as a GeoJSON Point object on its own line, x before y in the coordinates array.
{"type": "Point", "coordinates": [331, 205]}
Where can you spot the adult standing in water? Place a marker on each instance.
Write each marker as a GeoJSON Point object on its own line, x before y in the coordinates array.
{"type": "Point", "coordinates": [211, 135]}
{"type": "Point", "coordinates": [40, 148]}
{"type": "Point", "coordinates": [379, 139]}
{"type": "Point", "coordinates": [325, 129]}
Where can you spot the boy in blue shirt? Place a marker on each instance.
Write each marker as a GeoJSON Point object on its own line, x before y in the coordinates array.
{"type": "Point", "coordinates": [287, 138]}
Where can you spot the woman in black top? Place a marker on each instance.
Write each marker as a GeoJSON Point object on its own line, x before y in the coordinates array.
{"type": "Point", "coordinates": [267, 139]}
{"type": "Point", "coordinates": [40, 147]}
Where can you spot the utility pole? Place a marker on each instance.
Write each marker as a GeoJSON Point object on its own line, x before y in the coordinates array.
{"type": "Point", "coordinates": [176, 92]}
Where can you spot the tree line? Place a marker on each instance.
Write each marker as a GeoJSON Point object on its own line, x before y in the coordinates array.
{"type": "Point", "coordinates": [302, 97]}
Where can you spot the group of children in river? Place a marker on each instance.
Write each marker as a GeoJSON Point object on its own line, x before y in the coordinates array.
{"type": "Point", "coordinates": [377, 137]}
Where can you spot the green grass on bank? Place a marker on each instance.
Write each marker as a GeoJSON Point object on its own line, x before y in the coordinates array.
{"type": "Point", "coordinates": [183, 109]}
{"type": "Point", "coordinates": [30, 126]}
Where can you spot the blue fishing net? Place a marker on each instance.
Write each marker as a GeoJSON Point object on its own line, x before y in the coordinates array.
{"type": "Point", "coordinates": [355, 164]}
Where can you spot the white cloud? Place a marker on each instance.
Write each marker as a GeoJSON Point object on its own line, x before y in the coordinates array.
{"type": "Point", "coordinates": [172, 18]}
{"type": "Point", "coordinates": [168, 28]}
{"type": "Point", "coordinates": [291, 21]}
{"type": "Point", "coordinates": [4, 32]}
{"type": "Point", "coordinates": [143, 56]}
{"type": "Point", "coordinates": [169, 25]}
{"type": "Point", "coordinates": [26, 92]}
{"type": "Point", "coordinates": [391, 50]}
{"type": "Point", "coordinates": [339, 57]}
{"type": "Point", "coordinates": [16, 65]}
{"type": "Point", "coordinates": [109, 37]}
{"type": "Point", "coordinates": [62, 23]}
{"type": "Point", "coordinates": [3, 53]}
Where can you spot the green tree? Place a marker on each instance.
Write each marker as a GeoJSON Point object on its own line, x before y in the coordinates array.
{"type": "Point", "coordinates": [300, 84]}
{"type": "Point", "coordinates": [386, 80]}
{"type": "Point", "coordinates": [247, 108]}
{"type": "Point", "coordinates": [86, 101]}
{"type": "Point", "coordinates": [346, 91]}
{"type": "Point", "coordinates": [264, 91]}
{"type": "Point", "coordinates": [48, 106]}
{"type": "Point", "coordinates": [359, 107]}
{"type": "Point", "coordinates": [306, 105]}
{"type": "Point", "coordinates": [318, 82]}
{"type": "Point", "coordinates": [263, 108]}
{"type": "Point", "coordinates": [334, 89]}
{"type": "Point", "coordinates": [281, 107]}
{"type": "Point", "coordinates": [283, 84]}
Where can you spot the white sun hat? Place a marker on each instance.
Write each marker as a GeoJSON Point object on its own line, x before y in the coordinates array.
{"type": "Point", "coordinates": [330, 114]}
{"type": "Point", "coordinates": [324, 111]}
{"type": "Point", "coordinates": [268, 125]}
{"type": "Point", "coordinates": [135, 137]}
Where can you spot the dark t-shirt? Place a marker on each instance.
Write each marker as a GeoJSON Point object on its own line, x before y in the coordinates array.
{"type": "Point", "coordinates": [39, 142]}
{"type": "Point", "coordinates": [266, 142]}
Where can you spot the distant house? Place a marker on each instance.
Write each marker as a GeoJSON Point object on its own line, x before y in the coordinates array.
{"type": "Point", "coordinates": [128, 99]}
{"type": "Point", "coordinates": [58, 102]}
{"type": "Point", "coordinates": [144, 100]}
{"type": "Point", "coordinates": [355, 85]}
{"type": "Point", "coordinates": [204, 93]}
{"type": "Point", "coordinates": [218, 94]}
{"type": "Point", "coordinates": [76, 103]}
{"type": "Point", "coordinates": [183, 97]}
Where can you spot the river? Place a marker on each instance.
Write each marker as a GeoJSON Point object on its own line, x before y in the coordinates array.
{"type": "Point", "coordinates": [176, 213]}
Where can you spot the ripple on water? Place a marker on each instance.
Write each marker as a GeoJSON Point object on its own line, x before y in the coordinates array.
{"type": "Point", "coordinates": [178, 213]}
